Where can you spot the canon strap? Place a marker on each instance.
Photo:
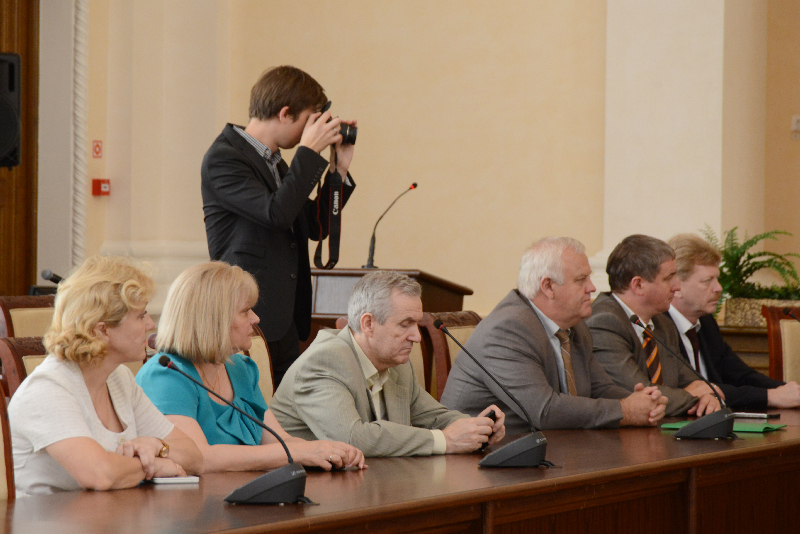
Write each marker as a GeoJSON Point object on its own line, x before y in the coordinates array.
{"type": "Point", "coordinates": [333, 199]}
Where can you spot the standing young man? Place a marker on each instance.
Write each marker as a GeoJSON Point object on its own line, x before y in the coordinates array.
{"type": "Point", "coordinates": [258, 214]}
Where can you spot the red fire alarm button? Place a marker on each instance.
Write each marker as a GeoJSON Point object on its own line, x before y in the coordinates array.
{"type": "Point", "coordinates": [101, 187]}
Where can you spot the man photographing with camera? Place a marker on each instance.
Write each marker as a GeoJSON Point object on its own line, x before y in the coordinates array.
{"type": "Point", "coordinates": [258, 214]}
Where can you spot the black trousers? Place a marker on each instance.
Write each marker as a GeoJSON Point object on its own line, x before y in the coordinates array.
{"type": "Point", "coordinates": [283, 352]}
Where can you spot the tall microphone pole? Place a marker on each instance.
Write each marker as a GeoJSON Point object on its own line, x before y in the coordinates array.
{"type": "Point", "coordinates": [284, 485]}
{"type": "Point", "coordinates": [716, 425]}
{"type": "Point", "coordinates": [528, 451]}
{"type": "Point", "coordinates": [370, 264]}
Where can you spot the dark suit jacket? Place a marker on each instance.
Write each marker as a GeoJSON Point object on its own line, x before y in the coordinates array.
{"type": "Point", "coordinates": [511, 342]}
{"type": "Point", "coordinates": [744, 387]}
{"type": "Point", "coordinates": [618, 349]}
{"type": "Point", "coordinates": [252, 223]}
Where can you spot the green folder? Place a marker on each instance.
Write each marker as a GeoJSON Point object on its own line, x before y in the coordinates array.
{"type": "Point", "coordinates": [737, 426]}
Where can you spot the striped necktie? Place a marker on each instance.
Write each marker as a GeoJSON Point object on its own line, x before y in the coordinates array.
{"type": "Point", "coordinates": [653, 362]}
{"type": "Point", "coordinates": [563, 337]}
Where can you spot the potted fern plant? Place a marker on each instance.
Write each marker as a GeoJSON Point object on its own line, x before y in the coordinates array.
{"type": "Point", "coordinates": [744, 298]}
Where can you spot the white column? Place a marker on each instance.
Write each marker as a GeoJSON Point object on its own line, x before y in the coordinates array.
{"type": "Point", "coordinates": [668, 94]}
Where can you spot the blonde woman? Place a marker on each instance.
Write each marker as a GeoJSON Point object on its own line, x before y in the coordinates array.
{"type": "Point", "coordinates": [207, 318]}
{"type": "Point", "coordinates": [79, 420]}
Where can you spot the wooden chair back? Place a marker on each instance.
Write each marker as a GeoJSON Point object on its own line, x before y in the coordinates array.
{"type": "Point", "coordinates": [439, 349]}
{"type": "Point", "coordinates": [7, 490]}
{"type": "Point", "coordinates": [421, 365]}
{"type": "Point", "coordinates": [783, 338]}
{"type": "Point", "coordinates": [27, 316]}
{"type": "Point", "coordinates": [19, 356]}
{"type": "Point", "coordinates": [259, 353]}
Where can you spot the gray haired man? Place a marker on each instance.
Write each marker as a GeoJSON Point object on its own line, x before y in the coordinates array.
{"type": "Point", "coordinates": [537, 345]}
{"type": "Point", "coordinates": [356, 385]}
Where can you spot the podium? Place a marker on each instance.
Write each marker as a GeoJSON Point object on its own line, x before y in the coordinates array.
{"type": "Point", "coordinates": [332, 290]}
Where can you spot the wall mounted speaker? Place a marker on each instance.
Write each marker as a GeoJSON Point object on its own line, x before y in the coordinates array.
{"type": "Point", "coordinates": [9, 110]}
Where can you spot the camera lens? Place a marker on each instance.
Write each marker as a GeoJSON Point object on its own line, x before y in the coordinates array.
{"type": "Point", "coordinates": [348, 134]}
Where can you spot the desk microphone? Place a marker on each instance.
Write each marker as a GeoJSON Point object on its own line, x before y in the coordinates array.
{"type": "Point", "coordinates": [283, 485]}
{"type": "Point", "coordinates": [524, 452]}
{"type": "Point", "coordinates": [371, 257]}
{"type": "Point", "coordinates": [716, 425]}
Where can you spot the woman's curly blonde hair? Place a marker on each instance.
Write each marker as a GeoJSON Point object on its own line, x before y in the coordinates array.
{"type": "Point", "coordinates": [103, 289]}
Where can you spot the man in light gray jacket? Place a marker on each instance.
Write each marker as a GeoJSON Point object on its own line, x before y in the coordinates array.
{"type": "Point", "coordinates": [356, 385]}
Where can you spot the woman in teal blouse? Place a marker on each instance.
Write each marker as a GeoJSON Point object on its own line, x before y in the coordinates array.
{"type": "Point", "coordinates": [207, 318]}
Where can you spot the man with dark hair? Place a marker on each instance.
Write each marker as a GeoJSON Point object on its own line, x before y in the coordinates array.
{"type": "Point", "coordinates": [702, 345]}
{"type": "Point", "coordinates": [257, 211]}
{"type": "Point", "coordinates": [641, 273]}
{"type": "Point", "coordinates": [356, 384]}
{"type": "Point", "coordinates": [536, 344]}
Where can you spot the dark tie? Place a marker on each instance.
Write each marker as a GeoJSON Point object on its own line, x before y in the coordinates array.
{"type": "Point", "coordinates": [692, 335]}
{"type": "Point", "coordinates": [653, 362]}
{"type": "Point", "coordinates": [563, 337]}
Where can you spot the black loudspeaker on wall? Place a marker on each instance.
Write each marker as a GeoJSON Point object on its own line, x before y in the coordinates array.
{"type": "Point", "coordinates": [9, 110]}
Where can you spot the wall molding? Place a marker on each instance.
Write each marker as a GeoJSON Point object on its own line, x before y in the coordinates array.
{"type": "Point", "coordinates": [164, 260]}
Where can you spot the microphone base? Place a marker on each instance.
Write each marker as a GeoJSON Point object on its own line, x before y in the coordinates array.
{"type": "Point", "coordinates": [284, 485]}
{"type": "Point", "coordinates": [528, 451]}
{"type": "Point", "coordinates": [716, 425]}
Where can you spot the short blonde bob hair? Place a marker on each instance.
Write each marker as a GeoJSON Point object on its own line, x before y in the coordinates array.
{"type": "Point", "coordinates": [103, 289]}
{"type": "Point", "coordinates": [199, 311]}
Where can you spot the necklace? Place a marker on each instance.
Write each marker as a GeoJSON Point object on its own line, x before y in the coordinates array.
{"type": "Point", "coordinates": [216, 382]}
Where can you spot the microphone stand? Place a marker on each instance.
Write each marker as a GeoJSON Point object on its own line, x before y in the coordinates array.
{"type": "Point", "coordinates": [371, 257]}
{"type": "Point", "coordinates": [715, 425]}
{"type": "Point", "coordinates": [528, 451]}
{"type": "Point", "coordinates": [286, 484]}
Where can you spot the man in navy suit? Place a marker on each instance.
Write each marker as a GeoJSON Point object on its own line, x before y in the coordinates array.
{"type": "Point", "coordinates": [258, 214]}
{"type": "Point", "coordinates": [701, 341]}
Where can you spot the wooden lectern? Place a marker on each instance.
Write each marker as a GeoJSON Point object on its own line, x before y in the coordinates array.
{"type": "Point", "coordinates": [332, 290]}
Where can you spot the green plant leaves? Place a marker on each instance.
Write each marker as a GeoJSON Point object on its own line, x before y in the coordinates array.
{"type": "Point", "coordinates": [739, 264]}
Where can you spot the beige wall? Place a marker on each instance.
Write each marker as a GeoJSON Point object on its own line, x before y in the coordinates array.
{"type": "Point", "coordinates": [495, 109]}
{"type": "Point", "coordinates": [499, 112]}
{"type": "Point", "coordinates": [744, 103]}
{"type": "Point", "coordinates": [782, 192]}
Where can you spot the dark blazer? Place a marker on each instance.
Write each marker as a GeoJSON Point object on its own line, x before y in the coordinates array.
{"type": "Point", "coordinates": [618, 349]}
{"type": "Point", "coordinates": [744, 387]}
{"type": "Point", "coordinates": [252, 223]}
{"type": "Point", "coordinates": [512, 343]}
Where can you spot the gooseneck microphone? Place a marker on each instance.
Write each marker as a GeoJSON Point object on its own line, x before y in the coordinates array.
{"type": "Point", "coordinates": [528, 451]}
{"type": "Point", "coordinates": [788, 311]}
{"type": "Point", "coordinates": [50, 276]}
{"type": "Point", "coordinates": [370, 264]}
{"type": "Point", "coordinates": [283, 485]}
{"type": "Point", "coordinates": [716, 425]}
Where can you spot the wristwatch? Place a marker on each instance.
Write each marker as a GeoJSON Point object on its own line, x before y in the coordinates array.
{"type": "Point", "coordinates": [164, 452]}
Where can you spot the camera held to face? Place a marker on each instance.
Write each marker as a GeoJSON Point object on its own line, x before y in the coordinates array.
{"type": "Point", "coordinates": [348, 132]}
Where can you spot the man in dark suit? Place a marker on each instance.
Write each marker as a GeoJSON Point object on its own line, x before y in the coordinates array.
{"type": "Point", "coordinates": [641, 273]}
{"type": "Point", "coordinates": [257, 211]}
{"type": "Point", "coordinates": [536, 344]}
{"type": "Point", "coordinates": [701, 341]}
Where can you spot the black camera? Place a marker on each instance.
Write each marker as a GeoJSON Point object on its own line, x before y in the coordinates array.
{"type": "Point", "coordinates": [348, 132]}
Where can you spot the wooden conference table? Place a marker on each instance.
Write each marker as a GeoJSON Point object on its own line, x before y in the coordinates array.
{"type": "Point", "coordinates": [631, 480]}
